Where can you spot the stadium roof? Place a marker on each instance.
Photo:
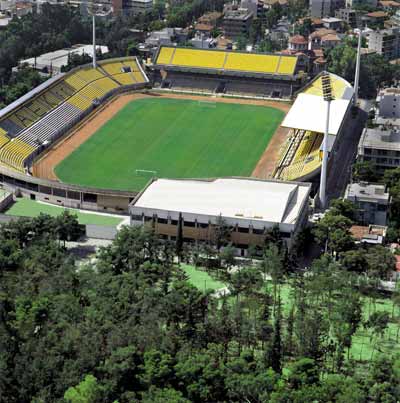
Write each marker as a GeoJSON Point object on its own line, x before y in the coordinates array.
{"type": "Point", "coordinates": [257, 200]}
{"type": "Point", "coordinates": [309, 113]}
{"type": "Point", "coordinates": [309, 110]}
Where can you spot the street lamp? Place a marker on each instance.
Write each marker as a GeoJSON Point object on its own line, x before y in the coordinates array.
{"type": "Point", "coordinates": [97, 10]}
{"type": "Point", "coordinates": [328, 98]}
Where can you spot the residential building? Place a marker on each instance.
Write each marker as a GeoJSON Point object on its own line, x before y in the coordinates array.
{"type": "Point", "coordinates": [298, 43]}
{"type": "Point", "coordinates": [135, 7]}
{"type": "Point", "coordinates": [237, 23]}
{"type": "Point", "coordinates": [389, 5]}
{"type": "Point", "coordinates": [322, 37]}
{"type": "Point", "coordinates": [388, 107]}
{"type": "Point", "coordinates": [212, 18]}
{"type": "Point", "coordinates": [376, 17]}
{"type": "Point", "coordinates": [370, 234]}
{"type": "Point", "coordinates": [255, 7]}
{"type": "Point", "coordinates": [281, 31]}
{"type": "Point", "coordinates": [357, 3]}
{"type": "Point", "coordinates": [349, 16]}
{"type": "Point", "coordinates": [371, 202]}
{"type": "Point", "coordinates": [325, 8]}
{"type": "Point", "coordinates": [249, 207]}
{"type": "Point", "coordinates": [332, 23]}
{"type": "Point", "coordinates": [385, 42]}
{"type": "Point", "coordinates": [166, 36]}
{"type": "Point", "coordinates": [381, 147]}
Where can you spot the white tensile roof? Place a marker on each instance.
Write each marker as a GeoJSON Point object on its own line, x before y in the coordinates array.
{"type": "Point", "coordinates": [256, 200]}
{"type": "Point", "coordinates": [309, 113]}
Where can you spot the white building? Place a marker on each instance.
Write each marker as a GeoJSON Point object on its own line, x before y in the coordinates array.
{"type": "Point", "coordinates": [388, 109]}
{"type": "Point", "coordinates": [371, 202]}
{"type": "Point", "coordinates": [381, 147]}
{"type": "Point", "coordinates": [248, 206]}
{"type": "Point", "coordinates": [53, 61]}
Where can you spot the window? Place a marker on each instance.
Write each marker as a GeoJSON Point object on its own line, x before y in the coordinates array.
{"type": "Point", "coordinates": [137, 217]}
{"type": "Point", "coordinates": [174, 222]}
{"type": "Point", "coordinates": [285, 234]}
{"type": "Point", "coordinates": [189, 224]}
{"type": "Point", "coordinates": [202, 225]}
{"type": "Point", "coordinates": [243, 230]}
{"type": "Point", "coordinates": [258, 231]}
{"type": "Point", "coordinates": [148, 218]}
{"type": "Point", "coordinates": [367, 151]}
{"type": "Point", "coordinates": [162, 220]}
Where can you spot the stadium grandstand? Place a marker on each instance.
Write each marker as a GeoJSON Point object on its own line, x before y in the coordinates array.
{"type": "Point", "coordinates": [227, 72]}
{"type": "Point", "coordinates": [33, 122]}
{"type": "Point", "coordinates": [301, 155]}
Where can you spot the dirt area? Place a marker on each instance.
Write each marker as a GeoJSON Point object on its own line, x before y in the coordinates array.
{"type": "Point", "coordinates": [44, 166]}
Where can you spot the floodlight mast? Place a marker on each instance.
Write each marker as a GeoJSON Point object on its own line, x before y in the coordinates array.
{"type": "Point", "coordinates": [97, 10]}
{"type": "Point", "coordinates": [328, 98]}
{"type": "Point", "coordinates": [357, 75]}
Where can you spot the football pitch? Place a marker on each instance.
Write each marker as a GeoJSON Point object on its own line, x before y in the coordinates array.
{"type": "Point", "coordinates": [171, 138]}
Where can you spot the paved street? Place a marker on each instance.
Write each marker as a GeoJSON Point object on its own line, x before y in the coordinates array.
{"type": "Point", "coordinates": [339, 171]}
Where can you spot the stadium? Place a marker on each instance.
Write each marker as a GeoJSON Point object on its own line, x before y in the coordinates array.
{"type": "Point", "coordinates": [93, 138]}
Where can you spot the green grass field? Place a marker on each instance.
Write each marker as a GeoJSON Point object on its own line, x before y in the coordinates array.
{"type": "Point", "coordinates": [30, 208]}
{"type": "Point", "coordinates": [175, 138]}
{"type": "Point", "coordinates": [201, 279]}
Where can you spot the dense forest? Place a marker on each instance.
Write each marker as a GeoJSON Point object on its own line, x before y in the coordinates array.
{"type": "Point", "coordinates": [130, 326]}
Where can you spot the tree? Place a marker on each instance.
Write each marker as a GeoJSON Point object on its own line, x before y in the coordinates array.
{"type": "Point", "coordinates": [332, 231]}
{"type": "Point", "coordinates": [364, 171]}
{"type": "Point", "coordinates": [380, 262]}
{"type": "Point", "coordinates": [222, 233]}
{"type": "Point", "coordinates": [343, 207]}
{"type": "Point", "coordinates": [179, 237]}
{"type": "Point", "coordinates": [275, 353]}
{"type": "Point", "coordinates": [88, 391]}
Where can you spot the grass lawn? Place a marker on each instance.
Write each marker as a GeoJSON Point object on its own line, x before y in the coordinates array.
{"type": "Point", "coordinates": [30, 208]}
{"type": "Point", "coordinates": [201, 279]}
{"type": "Point", "coordinates": [176, 139]}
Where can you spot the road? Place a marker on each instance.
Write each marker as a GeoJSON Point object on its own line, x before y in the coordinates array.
{"type": "Point", "coordinates": [340, 170]}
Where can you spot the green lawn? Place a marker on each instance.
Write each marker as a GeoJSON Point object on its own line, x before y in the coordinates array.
{"type": "Point", "coordinates": [201, 279]}
{"type": "Point", "coordinates": [30, 208]}
{"type": "Point", "coordinates": [176, 138]}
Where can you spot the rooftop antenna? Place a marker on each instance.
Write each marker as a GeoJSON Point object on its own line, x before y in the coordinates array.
{"type": "Point", "coordinates": [97, 10]}
{"type": "Point", "coordinates": [327, 93]}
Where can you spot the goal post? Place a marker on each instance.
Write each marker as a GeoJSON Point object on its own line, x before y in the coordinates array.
{"type": "Point", "coordinates": [207, 104]}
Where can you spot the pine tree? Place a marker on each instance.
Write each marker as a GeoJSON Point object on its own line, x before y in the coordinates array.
{"type": "Point", "coordinates": [275, 353]}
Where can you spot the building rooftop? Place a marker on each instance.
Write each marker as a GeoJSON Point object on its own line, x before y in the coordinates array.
{"type": "Point", "coordinates": [240, 14]}
{"type": "Point", "coordinates": [373, 234]}
{"type": "Point", "coordinates": [377, 14]}
{"type": "Point", "coordinates": [309, 113]}
{"type": "Point", "coordinates": [366, 191]}
{"type": "Point", "coordinates": [237, 198]}
{"type": "Point", "coordinates": [380, 139]}
{"type": "Point", "coordinates": [298, 40]}
{"type": "Point", "coordinates": [59, 58]}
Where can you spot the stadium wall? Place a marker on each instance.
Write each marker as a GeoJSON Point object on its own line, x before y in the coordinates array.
{"type": "Point", "coordinates": [79, 197]}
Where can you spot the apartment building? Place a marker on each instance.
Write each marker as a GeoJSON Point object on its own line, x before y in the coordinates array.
{"type": "Point", "coordinates": [381, 147]}
{"type": "Point", "coordinates": [371, 202]}
{"type": "Point", "coordinates": [385, 42]}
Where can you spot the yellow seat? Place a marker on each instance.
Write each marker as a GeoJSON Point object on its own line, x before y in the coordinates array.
{"type": "Point", "coordinates": [165, 55]}
{"type": "Point", "coordinates": [199, 58]}
{"type": "Point", "coordinates": [287, 65]}
{"type": "Point", "coordinates": [14, 154]}
{"type": "Point", "coordinates": [252, 62]}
